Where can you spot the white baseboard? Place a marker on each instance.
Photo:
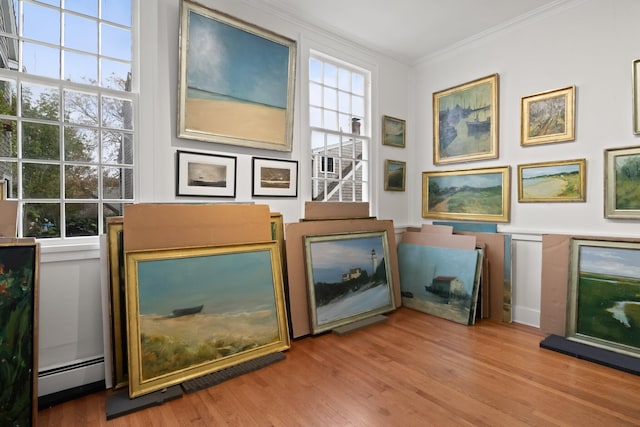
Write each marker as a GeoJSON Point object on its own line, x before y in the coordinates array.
{"type": "Point", "coordinates": [72, 375]}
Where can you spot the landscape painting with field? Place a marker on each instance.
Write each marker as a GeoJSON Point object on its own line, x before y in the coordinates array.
{"type": "Point", "coordinates": [480, 194]}
{"type": "Point", "coordinates": [607, 293]}
{"type": "Point", "coordinates": [551, 182]}
{"type": "Point", "coordinates": [627, 169]}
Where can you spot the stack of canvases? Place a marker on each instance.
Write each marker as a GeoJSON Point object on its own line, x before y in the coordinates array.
{"type": "Point", "coordinates": [441, 273]}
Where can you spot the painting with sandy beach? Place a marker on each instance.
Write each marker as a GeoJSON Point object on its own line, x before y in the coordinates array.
{"type": "Point", "coordinates": [604, 299]}
{"type": "Point", "coordinates": [197, 310]}
{"type": "Point", "coordinates": [236, 81]}
{"type": "Point", "coordinates": [562, 181]}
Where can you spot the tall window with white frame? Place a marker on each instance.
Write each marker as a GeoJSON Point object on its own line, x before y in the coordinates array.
{"type": "Point", "coordinates": [67, 113]}
{"type": "Point", "coordinates": [340, 130]}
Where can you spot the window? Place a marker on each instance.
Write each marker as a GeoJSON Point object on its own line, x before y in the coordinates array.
{"type": "Point", "coordinates": [66, 113]}
{"type": "Point", "coordinates": [340, 126]}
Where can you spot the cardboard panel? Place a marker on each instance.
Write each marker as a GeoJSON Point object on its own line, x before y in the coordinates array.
{"type": "Point", "coordinates": [439, 240]}
{"type": "Point", "coordinates": [555, 280]}
{"type": "Point", "coordinates": [336, 210]}
{"type": "Point", "coordinates": [158, 226]}
{"type": "Point", "coordinates": [297, 279]}
{"type": "Point", "coordinates": [430, 228]}
{"type": "Point", "coordinates": [8, 218]}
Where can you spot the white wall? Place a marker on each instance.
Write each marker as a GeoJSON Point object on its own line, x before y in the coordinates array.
{"type": "Point", "coordinates": [589, 44]}
{"type": "Point", "coordinates": [70, 304]}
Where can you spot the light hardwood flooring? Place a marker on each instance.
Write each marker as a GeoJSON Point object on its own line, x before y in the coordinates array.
{"type": "Point", "coordinates": [410, 370]}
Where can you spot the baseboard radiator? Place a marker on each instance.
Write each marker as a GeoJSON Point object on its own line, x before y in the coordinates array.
{"type": "Point", "coordinates": [62, 383]}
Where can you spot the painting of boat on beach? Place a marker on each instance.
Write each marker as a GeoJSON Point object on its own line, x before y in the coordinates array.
{"type": "Point", "coordinates": [552, 181]}
{"type": "Point", "coordinates": [472, 194]}
{"type": "Point", "coordinates": [604, 300]}
{"type": "Point", "coordinates": [348, 278]}
{"type": "Point", "coordinates": [236, 81]}
{"type": "Point", "coordinates": [465, 122]}
{"type": "Point", "coordinates": [198, 310]}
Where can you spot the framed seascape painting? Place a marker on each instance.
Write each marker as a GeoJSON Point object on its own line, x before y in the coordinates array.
{"type": "Point", "coordinates": [194, 311]}
{"type": "Point", "coordinates": [394, 131]}
{"type": "Point", "coordinates": [348, 278]}
{"type": "Point", "coordinates": [472, 194]}
{"type": "Point", "coordinates": [395, 173]}
{"type": "Point", "coordinates": [236, 81]}
{"type": "Point", "coordinates": [563, 181]}
{"type": "Point", "coordinates": [548, 117]}
{"type": "Point", "coordinates": [604, 302]}
{"type": "Point", "coordinates": [274, 177]}
{"type": "Point", "coordinates": [465, 122]}
{"type": "Point", "coordinates": [117, 293]}
{"type": "Point", "coordinates": [19, 260]}
{"type": "Point", "coordinates": [199, 174]}
{"type": "Point", "coordinates": [622, 182]}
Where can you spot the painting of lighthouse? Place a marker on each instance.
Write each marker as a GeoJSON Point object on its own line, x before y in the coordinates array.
{"type": "Point", "coordinates": [349, 278]}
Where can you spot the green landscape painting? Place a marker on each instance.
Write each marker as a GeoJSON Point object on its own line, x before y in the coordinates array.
{"type": "Point", "coordinates": [608, 294]}
{"type": "Point", "coordinates": [627, 182]}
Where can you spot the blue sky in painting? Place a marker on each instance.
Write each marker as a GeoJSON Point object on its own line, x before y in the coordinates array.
{"type": "Point", "coordinates": [482, 180]}
{"type": "Point", "coordinates": [330, 259]}
{"type": "Point", "coordinates": [224, 283]}
{"type": "Point", "coordinates": [614, 261]}
{"type": "Point", "coordinates": [226, 60]}
{"type": "Point", "coordinates": [548, 170]}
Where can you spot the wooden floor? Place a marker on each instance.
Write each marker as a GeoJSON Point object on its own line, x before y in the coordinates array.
{"type": "Point", "coordinates": [410, 370]}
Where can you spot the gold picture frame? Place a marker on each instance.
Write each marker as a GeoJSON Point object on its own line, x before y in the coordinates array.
{"type": "Point", "coordinates": [473, 194]}
{"type": "Point", "coordinates": [3, 189]}
{"type": "Point", "coordinates": [548, 117]}
{"type": "Point", "coordinates": [395, 175]}
{"type": "Point", "coordinates": [465, 122]}
{"type": "Point", "coordinates": [394, 131]}
{"type": "Point", "coordinates": [560, 181]}
{"type": "Point", "coordinates": [217, 97]}
{"type": "Point", "coordinates": [193, 311]}
{"type": "Point", "coordinates": [622, 183]}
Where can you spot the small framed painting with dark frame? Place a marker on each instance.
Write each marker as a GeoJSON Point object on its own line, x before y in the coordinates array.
{"type": "Point", "coordinates": [348, 278]}
{"type": "Point", "coordinates": [274, 177]}
{"type": "Point", "coordinates": [394, 131]}
{"type": "Point", "coordinates": [208, 175]}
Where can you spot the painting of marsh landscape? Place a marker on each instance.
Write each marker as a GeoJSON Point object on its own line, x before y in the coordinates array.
{"type": "Point", "coordinates": [476, 194]}
{"type": "Point", "coordinates": [552, 181]}
{"type": "Point", "coordinates": [202, 309]}
{"type": "Point", "coordinates": [236, 82]}
{"type": "Point", "coordinates": [605, 294]}
{"type": "Point", "coordinates": [622, 182]}
{"type": "Point", "coordinates": [18, 326]}
{"type": "Point", "coordinates": [394, 175]}
{"type": "Point", "coordinates": [465, 122]}
{"type": "Point", "coordinates": [439, 281]}
{"type": "Point", "coordinates": [348, 278]}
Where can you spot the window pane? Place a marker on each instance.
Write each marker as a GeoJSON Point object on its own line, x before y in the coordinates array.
{"type": "Point", "coordinates": [317, 141]}
{"type": "Point", "coordinates": [80, 108]}
{"type": "Point", "coordinates": [8, 95]}
{"type": "Point", "coordinates": [344, 79]}
{"type": "Point", "coordinates": [118, 11]}
{"type": "Point", "coordinates": [9, 173]}
{"type": "Point", "coordinates": [41, 220]}
{"type": "Point", "coordinates": [113, 209]}
{"type": "Point", "coordinates": [116, 42]}
{"type": "Point", "coordinates": [80, 144]}
{"type": "Point", "coordinates": [51, 2]}
{"type": "Point", "coordinates": [34, 26]}
{"type": "Point", "coordinates": [40, 141]}
{"type": "Point", "coordinates": [315, 94]}
{"type": "Point", "coordinates": [88, 7]}
{"type": "Point", "coordinates": [116, 75]}
{"type": "Point", "coordinates": [80, 68]}
{"type": "Point", "coordinates": [330, 98]}
{"type": "Point", "coordinates": [330, 120]}
{"type": "Point", "coordinates": [40, 181]}
{"type": "Point", "coordinates": [357, 84]}
{"type": "Point", "coordinates": [117, 183]}
{"type": "Point", "coordinates": [40, 102]}
{"type": "Point", "coordinates": [345, 123]}
{"type": "Point", "coordinates": [344, 102]}
{"type": "Point", "coordinates": [116, 113]}
{"type": "Point", "coordinates": [117, 147]}
{"type": "Point", "coordinates": [315, 117]}
{"type": "Point", "coordinates": [357, 104]}
{"type": "Point", "coordinates": [81, 219]}
{"type": "Point", "coordinates": [80, 33]}
{"type": "Point", "coordinates": [81, 182]}
{"type": "Point", "coordinates": [330, 75]}
{"type": "Point", "coordinates": [8, 139]}
{"type": "Point", "coordinates": [315, 70]}
{"type": "Point", "coordinates": [41, 60]}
